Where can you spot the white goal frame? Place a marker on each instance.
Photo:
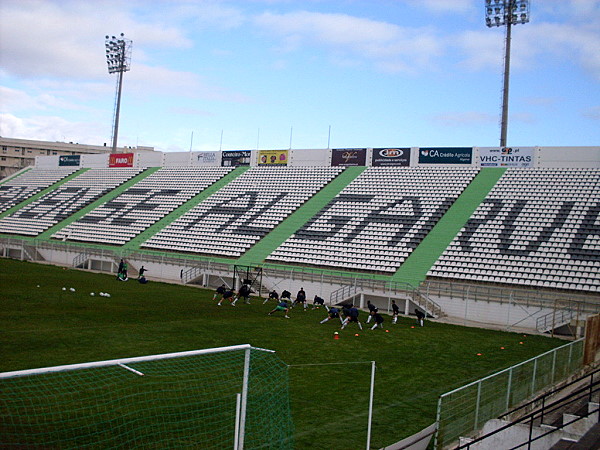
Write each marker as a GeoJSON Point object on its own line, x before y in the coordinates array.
{"type": "Point", "coordinates": [123, 362]}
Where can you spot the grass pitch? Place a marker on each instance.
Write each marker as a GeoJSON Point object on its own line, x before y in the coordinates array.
{"type": "Point", "coordinates": [42, 325]}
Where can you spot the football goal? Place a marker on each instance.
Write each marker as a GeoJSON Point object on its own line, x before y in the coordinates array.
{"type": "Point", "coordinates": [229, 397]}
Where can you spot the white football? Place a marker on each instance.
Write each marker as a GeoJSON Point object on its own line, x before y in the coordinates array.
{"type": "Point", "coordinates": [92, 294]}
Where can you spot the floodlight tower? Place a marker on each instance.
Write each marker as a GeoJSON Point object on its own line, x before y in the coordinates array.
{"type": "Point", "coordinates": [499, 13]}
{"type": "Point", "coordinates": [118, 58]}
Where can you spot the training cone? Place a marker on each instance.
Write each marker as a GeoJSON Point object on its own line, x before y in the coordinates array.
{"type": "Point", "coordinates": [336, 335]}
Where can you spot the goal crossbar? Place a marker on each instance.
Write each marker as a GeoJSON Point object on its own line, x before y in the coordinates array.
{"type": "Point", "coordinates": [124, 361]}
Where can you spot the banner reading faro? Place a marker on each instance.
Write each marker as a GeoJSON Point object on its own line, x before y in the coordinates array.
{"type": "Point", "coordinates": [348, 156]}
{"type": "Point", "coordinates": [272, 157]}
{"type": "Point", "coordinates": [120, 160]}
{"type": "Point", "coordinates": [391, 157]}
{"type": "Point", "coordinates": [445, 155]}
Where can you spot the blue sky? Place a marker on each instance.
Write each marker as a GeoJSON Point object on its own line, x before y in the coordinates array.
{"type": "Point", "coordinates": [259, 73]}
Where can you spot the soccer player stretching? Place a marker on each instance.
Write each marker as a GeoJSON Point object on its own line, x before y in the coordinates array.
{"type": "Point", "coordinates": [332, 314]}
{"type": "Point", "coordinates": [372, 310]}
{"type": "Point", "coordinates": [352, 317]}
{"type": "Point", "coordinates": [219, 292]}
{"type": "Point", "coordinates": [228, 295]}
{"type": "Point", "coordinates": [282, 306]}
{"type": "Point", "coordinates": [378, 321]}
{"type": "Point", "coordinates": [273, 295]}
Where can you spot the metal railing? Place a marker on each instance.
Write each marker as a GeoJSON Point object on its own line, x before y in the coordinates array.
{"type": "Point", "coordinates": [528, 297]}
{"type": "Point", "coordinates": [391, 289]}
{"type": "Point", "coordinates": [585, 392]}
{"type": "Point", "coordinates": [466, 409]}
{"type": "Point", "coordinates": [583, 304]}
{"type": "Point", "coordinates": [343, 293]}
{"type": "Point", "coordinates": [554, 319]}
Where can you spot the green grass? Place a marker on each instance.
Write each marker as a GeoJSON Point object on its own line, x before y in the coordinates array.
{"type": "Point", "coordinates": [46, 326]}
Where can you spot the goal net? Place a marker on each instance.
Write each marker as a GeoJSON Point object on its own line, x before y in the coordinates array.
{"type": "Point", "coordinates": [230, 397]}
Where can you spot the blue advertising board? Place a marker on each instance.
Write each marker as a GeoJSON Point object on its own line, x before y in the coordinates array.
{"type": "Point", "coordinates": [445, 155]}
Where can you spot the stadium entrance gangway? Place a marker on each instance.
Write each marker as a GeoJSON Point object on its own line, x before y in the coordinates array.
{"type": "Point", "coordinates": [390, 289]}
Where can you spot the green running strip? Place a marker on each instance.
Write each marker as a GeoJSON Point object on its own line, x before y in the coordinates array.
{"type": "Point", "coordinates": [415, 267]}
{"type": "Point", "coordinates": [263, 248]}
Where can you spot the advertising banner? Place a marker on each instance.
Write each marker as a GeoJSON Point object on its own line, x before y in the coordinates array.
{"type": "Point", "coordinates": [273, 157]}
{"type": "Point", "coordinates": [204, 158]}
{"type": "Point", "coordinates": [348, 157]}
{"type": "Point", "coordinates": [390, 157]}
{"type": "Point", "coordinates": [445, 155]}
{"type": "Point", "coordinates": [69, 160]}
{"type": "Point", "coordinates": [236, 158]}
{"type": "Point", "coordinates": [506, 156]}
{"type": "Point", "coordinates": [120, 160]}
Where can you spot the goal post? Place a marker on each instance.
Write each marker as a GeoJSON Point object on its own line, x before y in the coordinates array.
{"type": "Point", "coordinates": [228, 397]}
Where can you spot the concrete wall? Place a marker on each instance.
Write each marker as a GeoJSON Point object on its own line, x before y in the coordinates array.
{"type": "Point", "coordinates": [148, 159]}
{"type": "Point", "coordinates": [98, 161]}
{"type": "Point", "coordinates": [583, 157]}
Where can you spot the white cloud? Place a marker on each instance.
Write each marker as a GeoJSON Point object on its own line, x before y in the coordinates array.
{"type": "Point", "coordinates": [66, 39]}
{"type": "Point", "coordinates": [442, 6]}
{"type": "Point", "coordinates": [531, 43]}
{"type": "Point", "coordinates": [162, 81]}
{"type": "Point", "coordinates": [387, 45]}
{"type": "Point", "coordinates": [592, 113]}
{"type": "Point", "coordinates": [47, 100]}
{"type": "Point", "coordinates": [50, 128]}
{"type": "Point", "coordinates": [452, 119]}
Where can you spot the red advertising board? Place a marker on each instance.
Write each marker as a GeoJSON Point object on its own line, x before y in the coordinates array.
{"type": "Point", "coordinates": [120, 160]}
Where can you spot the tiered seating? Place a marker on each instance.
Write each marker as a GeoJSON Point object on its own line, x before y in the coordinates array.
{"type": "Point", "coordinates": [537, 227]}
{"type": "Point", "coordinates": [29, 183]}
{"type": "Point", "coordinates": [377, 220]}
{"type": "Point", "coordinates": [62, 202]}
{"type": "Point", "coordinates": [124, 217]}
{"type": "Point", "coordinates": [237, 216]}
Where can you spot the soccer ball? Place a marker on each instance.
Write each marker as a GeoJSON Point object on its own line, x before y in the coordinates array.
{"type": "Point", "coordinates": [92, 294]}
{"type": "Point", "coordinates": [64, 289]}
{"type": "Point", "coordinates": [72, 289]}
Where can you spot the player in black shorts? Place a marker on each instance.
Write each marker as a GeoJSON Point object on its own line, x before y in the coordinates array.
{"type": "Point", "coordinates": [378, 321]}
{"type": "Point", "coordinates": [317, 302]}
{"type": "Point", "coordinates": [219, 292]}
{"type": "Point", "coordinates": [333, 313]}
{"type": "Point", "coordinates": [352, 317]}
{"type": "Point", "coordinates": [372, 310]}
{"type": "Point", "coordinates": [273, 295]}
{"type": "Point", "coordinates": [395, 311]}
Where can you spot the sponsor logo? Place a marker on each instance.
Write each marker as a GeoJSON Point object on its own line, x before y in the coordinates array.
{"type": "Point", "coordinates": [391, 153]}
{"type": "Point", "coordinates": [347, 156]}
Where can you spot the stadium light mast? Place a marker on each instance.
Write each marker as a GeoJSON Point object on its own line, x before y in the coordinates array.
{"type": "Point", "coordinates": [118, 58]}
{"type": "Point", "coordinates": [506, 13]}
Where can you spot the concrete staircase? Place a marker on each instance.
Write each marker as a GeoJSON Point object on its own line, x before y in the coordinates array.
{"type": "Point", "coordinates": [572, 422]}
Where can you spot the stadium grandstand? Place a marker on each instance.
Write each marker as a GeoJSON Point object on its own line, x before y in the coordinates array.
{"type": "Point", "coordinates": [498, 237]}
